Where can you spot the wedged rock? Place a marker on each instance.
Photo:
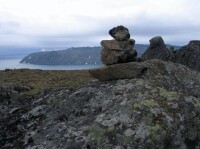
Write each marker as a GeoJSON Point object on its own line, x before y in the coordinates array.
{"type": "Point", "coordinates": [119, 71]}
{"type": "Point", "coordinates": [120, 33]}
{"type": "Point", "coordinates": [118, 45]}
{"type": "Point", "coordinates": [157, 50]}
{"type": "Point", "coordinates": [189, 55]}
{"type": "Point", "coordinates": [110, 57]}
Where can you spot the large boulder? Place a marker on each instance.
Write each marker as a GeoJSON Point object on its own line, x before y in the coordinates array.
{"type": "Point", "coordinates": [118, 45]}
{"type": "Point", "coordinates": [119, 71]}
{"type": "Point", "coordinates": [189, 55]}
{"type": "Point", "coordinates": [157, 50]}
{"type": "Point", "coordinates": [120, 33]}
{"type": "Point", "coordinates": [110, 57]}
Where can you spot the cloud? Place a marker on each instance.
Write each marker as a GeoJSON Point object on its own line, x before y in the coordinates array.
{"type": "Point", "coordinates": [82, 23]}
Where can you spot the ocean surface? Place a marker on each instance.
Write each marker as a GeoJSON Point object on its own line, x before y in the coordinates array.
{"type": "Point", "coordinates": [13, 63]}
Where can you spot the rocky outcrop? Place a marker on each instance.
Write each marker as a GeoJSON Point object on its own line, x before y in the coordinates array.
{"type": "Point", "coordinates": [189, 55]}
{"type": "Point", "coordinates": [160, 109]}
{"type": "Point", "coordinates": [157, 50]}
{"type": "Point", "coordinates": [119, 50]}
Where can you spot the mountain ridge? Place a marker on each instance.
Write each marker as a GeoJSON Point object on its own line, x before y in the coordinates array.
{"type": "Point", "coordinates": [74, 56]}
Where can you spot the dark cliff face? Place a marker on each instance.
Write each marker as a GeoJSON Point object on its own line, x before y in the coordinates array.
{"type": "Point", "coordinates": [159, 109]}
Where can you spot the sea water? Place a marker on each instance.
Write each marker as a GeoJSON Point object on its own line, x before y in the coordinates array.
{"type": "Point", "coordinates": [13, 63]}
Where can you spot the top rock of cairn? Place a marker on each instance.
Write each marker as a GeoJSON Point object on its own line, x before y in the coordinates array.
{"type": "Point", "coordinates": [120, 33]}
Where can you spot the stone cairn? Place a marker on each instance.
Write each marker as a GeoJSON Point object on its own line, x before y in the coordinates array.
{"type": "Point", "coordinates": [119, 57]}
{"type": "Point", "coordinates": [119, 50]}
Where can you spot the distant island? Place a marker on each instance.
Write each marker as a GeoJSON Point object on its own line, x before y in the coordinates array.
{"type": "Point", "coordinates": [74, 56]}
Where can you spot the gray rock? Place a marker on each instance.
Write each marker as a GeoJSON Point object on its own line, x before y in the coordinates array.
{"type": "Point", "coordinates": [157, 42]}
{"type": "Point", "coordinates": [189, 55]}
{"type": "Point", "coordinates": [110, 57]}
{"type": "Point", "coordinates": [118, 45]}
{"type": "Point", "coordinates": [119, 71]}
{"type": "Point", "coordinates": [120, 33]}
{"type": "Point", "coordinates": [157, 50]}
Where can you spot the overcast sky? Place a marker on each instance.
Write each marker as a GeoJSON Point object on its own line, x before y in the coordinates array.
{"type": "Point", "coordinates": [86, 22]}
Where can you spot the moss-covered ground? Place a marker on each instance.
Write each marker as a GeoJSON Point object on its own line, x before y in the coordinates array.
{"type": "Point", "coordinates": [39, 80]}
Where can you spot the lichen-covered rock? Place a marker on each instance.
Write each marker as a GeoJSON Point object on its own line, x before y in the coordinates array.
{"type": "Point", "coordinates": [120, 33]}
{"type": "Point", "coordinates": [158, 110]}
{"type": "Point", "coordinates": [110, 57]}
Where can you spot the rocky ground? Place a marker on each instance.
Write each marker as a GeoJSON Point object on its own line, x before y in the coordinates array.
{"type": "Point", "coordinates": [159, 109]}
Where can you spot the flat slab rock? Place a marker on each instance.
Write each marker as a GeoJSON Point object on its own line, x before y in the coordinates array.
{"type": "Point", "coordinates": [119, 71]}
{"type": "Point", "coordinates": [118, 45]}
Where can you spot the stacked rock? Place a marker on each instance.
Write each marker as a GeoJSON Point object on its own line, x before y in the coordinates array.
{"type": "Point", "coordinates": [119, 50]}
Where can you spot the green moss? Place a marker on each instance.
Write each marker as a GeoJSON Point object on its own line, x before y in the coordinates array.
{"type": "Point", "coordinates": [44, 79]}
